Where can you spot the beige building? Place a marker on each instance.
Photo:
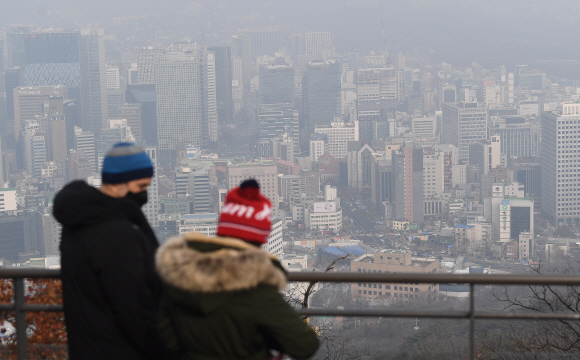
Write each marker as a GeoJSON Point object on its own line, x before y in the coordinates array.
{"type": "Point", "coordinates": [393, 262]}
{"type": "Point", "coordinates": [338, 135]}
{"type": "Point", "coordinates": [29, 101]}
{"type": "Point", "coordinates": [424, 127]}
{"type": "Point", "coordinates": [264, 171]}
{"type": "Point", "coordinates": [433, 172]}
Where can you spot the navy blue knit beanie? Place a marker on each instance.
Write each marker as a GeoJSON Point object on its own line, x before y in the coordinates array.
{"type": "Point", "coordinates": [126, 162]}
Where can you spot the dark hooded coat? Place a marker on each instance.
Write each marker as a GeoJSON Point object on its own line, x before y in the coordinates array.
{"type": "Point", "coordinates": [111, 290]}
{"type": "Point", "coordinates": [221, 301]}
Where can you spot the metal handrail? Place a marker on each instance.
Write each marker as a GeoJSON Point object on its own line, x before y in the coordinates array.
{"type": "Point", "coordinates": [20, 307]}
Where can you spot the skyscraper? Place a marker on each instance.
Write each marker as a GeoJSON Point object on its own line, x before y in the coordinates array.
{"type": "Point", "coordinates": [277, 120]}
{"type": "Point", "coordinates": [29, 101]}
{"type": "Point", "coordinates": [144, 94]}
{"type": "Point", "coordinates": [223, 70]}
{"type": "Point", "coordinates": [116, 88]}
{"type": "Point", "coordinates": [93, 80]}
{"type": "Point", "coordinates": [132, 113]}
{"type": "Point", "coordinates": [407, 178]}
{"type": "Point", "coordinates": [179, 110]}
{"type": "Point", "coordinates": [146, 70]}
{"type": "Point", "coordinates": [242, 56]}
{"type": "Point", "coordinates": [276, 84]}
{"type": "Point", "coordinates": [85, 144]}
{"type": "Point", "coordinates": [34, 143]}
{"type": "Point", "coordinates": [560, 161]}
{"type": "Point", "coordinates": [151, 208]}
{"type": "Point", "coordinates": [52, 58]}
{"type": "Point", "coordinates": [321, 93]}
{"type": "Point", "coordinates": [463, 124]}
{"type": "Point", "coordinates": [15, 36]}
{"type": "Point", "coordinates": [13, 78]}
{"type": "Point", "coordinates": [264, 41]}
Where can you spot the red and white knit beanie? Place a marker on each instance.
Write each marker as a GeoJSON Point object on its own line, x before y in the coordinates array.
{"type": "Point", "coordinates": [246, 214]}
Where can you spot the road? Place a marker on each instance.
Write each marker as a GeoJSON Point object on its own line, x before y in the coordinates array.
{"type": "Point", "coordinates": [360, 218]}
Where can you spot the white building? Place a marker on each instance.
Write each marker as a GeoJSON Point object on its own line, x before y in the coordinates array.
{"type": "Point", "coordinates": [34, 148]}
{"type": "Point", "coordinates": [433, 173]}
{"type": "Point", "coordinates": [8, 199]}
{"type": "Point", "coordinates": [317, 148]}
{"type": "Point", "coordinates": [463, 124]}
{"type": "Point", "coordinates": [151, 208]}
{"type": "Point", "coordinates": [526, 244]}
{"type": "Point", "coordinates": [85, 143]}
{"type": "Point", "coordinates": [424, 127]}
{"type": "Point", "coordinates": [113, 78]}
{"type": "Point", "coordinates": [201, 223]}
{"type": "Point", "coordinates": [338, 135]}
{"type": "Point", "coordinates": [275, 245]}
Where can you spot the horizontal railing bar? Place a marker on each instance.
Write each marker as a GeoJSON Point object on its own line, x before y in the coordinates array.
{"type": "Point", "coordinates": [436, 278]}
{"type": "Point", "coordinates": [29, 273]}
{"type": "Point", "coordinates": [437, 314]}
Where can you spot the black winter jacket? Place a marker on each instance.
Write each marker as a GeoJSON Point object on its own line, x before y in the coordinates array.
{"type": "Point", "coordinates": [111, 291]}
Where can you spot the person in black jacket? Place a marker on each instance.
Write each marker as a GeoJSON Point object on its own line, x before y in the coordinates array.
{"type": "Point", "coordinates": [111, 291]}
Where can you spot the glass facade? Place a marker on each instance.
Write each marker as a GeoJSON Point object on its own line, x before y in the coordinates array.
{"type": "Point", "coordinates": [322, 93]}
{"type": "Point", "coordinates": [277, 84]}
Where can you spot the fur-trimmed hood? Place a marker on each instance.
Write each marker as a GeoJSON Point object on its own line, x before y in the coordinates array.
{"type": "Point", "coordinates": [201, 264]}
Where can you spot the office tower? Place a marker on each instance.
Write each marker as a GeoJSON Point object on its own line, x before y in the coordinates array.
{"type": "Point", "coordinates": [318, 144]}
{"type": "Point", "coordinates": [85, 144]}
{"type": "Point", "coordinates": [151, 208]}
{"type": "Point", "coordinates": [338, 135]}
{"type": "Point", "coordinates": [377, 96]}
{"type": "Point", "coordinates": [360, 167]}
{"type": "Point", "coordinates": [72, 113]}
{"type": "Point", "coordinates": [520, 140]}
{"type": "Point", "coordinates": [29, 101]}
{"type": "Point", "coordinates": [321, 94]}
{"type": "Point", "coordinates": [530, 79]}
{"type": "Point", "coordinates": [144, 94]}
{"type": "Point", "coordinates": [263, 41]}
{"type": "Point", "coordinates": [199, 190]}
{"type": "Point", "coordinates": [424, 128]}
{"type": "Point", "coordinates": [559, 159]}
{"type": "Point", "coordinates": [16, 36]}
{"type": "Point", "coordinates": [13, 78]}
{"type": "Point", "coordinates": [132, 113]}
{"type": "Point", "coordinates": [223, 70]}
{"type": "Point", "coordinates": [242, 61]}
{"type": "Point", "coordinates": [52, 58]}
{"type": "Point", "coordinates": [179, 100]}
{"type": "Point", "coordinates": [93, 80]}
{"type": "Point", "coordinates": [277, 120]}
{"type": "Point", "coordinates": [381, 186]}
{"type": "Point", "coordinates": [446, 94]}
{"type": "Point", "coordinates": [407, 172]}
{"type": "Point", "coordinates": [383, 129]}
{"type": "Point", "coordinates": [2, 175]}
{"type": "Point", "coordinates": [511, 217]}
{"type": "Point", "coordinates": [116, 89]}
{"type": "Point", "coordinates": [53, 125]}
{"type": "Point", "coordinates": [433, 173]}
{"type": "Point", "coordinates": [463, 124]}
{"type": "Point", "coordinates": [312, 45]}
{"type": "Point", "coordinates": [79, 165]}
{"type": "Point", "coordinates": [276, 84]}
{"type": "Point", "coordinates": [145, 66]}
{"type": "Point", "coordinates": [209, 96]}
{"type": "Point", "coordinates": [486, 154]}
{"type": "Point", "coordinates": [265, 172]}
{"type": "Point", "coordinates": [34, 143]}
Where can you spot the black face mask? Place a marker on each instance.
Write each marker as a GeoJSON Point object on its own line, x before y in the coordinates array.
{"type": "Point", "coordinates": [140, 197]}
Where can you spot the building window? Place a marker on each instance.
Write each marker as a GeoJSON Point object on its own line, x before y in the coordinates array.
{"type": "Point", "coordinates": [359, 291]}
{"type": "Point", "coordinates": [374, 292]}
{"type": "Point", "coordinates": [388, 287]}
{"type": "Point", "coordinates": [395, 287]}
{"type": "Point", "coordinates": [375, 286]}
{"type": "Point", "coordinates": [364, 292]}
{"type": "Point", "coordinates": [406, 288]}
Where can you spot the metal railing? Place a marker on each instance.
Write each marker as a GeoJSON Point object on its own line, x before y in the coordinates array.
{"type": "Point", "coordinates": [20, 307]}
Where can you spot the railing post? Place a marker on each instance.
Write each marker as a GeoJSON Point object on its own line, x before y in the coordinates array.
{"type": "Point", "coordinates": [471, 323]}
{"type": "Point", "coordinates": [21, 335]}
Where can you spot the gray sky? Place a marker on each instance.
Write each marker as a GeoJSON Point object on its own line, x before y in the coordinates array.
{"type": "Point", "coordinates": [460, 31]}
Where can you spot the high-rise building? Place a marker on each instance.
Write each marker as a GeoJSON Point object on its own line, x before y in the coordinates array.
{"type": "Point", "coordinates": [16, 36]}
{"type": "Point", "coordinates": [151, 208]}
{"type": "Point", "coordinates": [277, 120]}
{"type": "Point", "coordinates": [34, 143]}
{"type": "Point", "coordinates": [463, 124]}
{"type": "Point", "coordinates": [52, 58]}
{"type": "Point", "coordinates": [199, 190]}
{"type": "Point", "coordinates": [117, 130]}
{"type": "Point", "coordinates": [560, 159]}
{"type": "Point", "coordinates": [486, 154]}
{"type": "Point", "coordinates": [377, 95]}
{"type": "Point", "coordinates": [424, 127]}
{"type": "Point", "coordinates": [94, 108]}
{"type": "Point", "coordinates": [407, 178]}
{"type": "Point", "coordinates": [338, 135]}
{"type": "Point", "coordinates": [145, 95]}
{"type": "Point", "coordinates": [210, 97]}
{"type": "Point", "coordinates": [113, 78]}
{"type": "Point", "coordinates": [433, 173]}
{"type": "Point", "coordinates": [276, 84]}
{"type": "Point", "coordinates": [321, 93]}
{"type": "Point", "coordinates": [311, 43]}
{"type": "Point", "coordinates": [520, 140]}
{"type": "Point", "coordinates": [265, 172]}
{"type": "Point", "coordinates": [13, 78]}
{"type": "Point", "coordinates": [178, 84]}
{"type": "Point", "coordinates": [29, 101]}
{"type": "Point", "coordinates": [145, 64]}
{"type": "Point", "coordinates": [132, 113]}
{"type": "Point", "coordinates": [263, 41]}
{"type": "Point", "coordinates": [223, 70]}
{"type": "Point", "coordinates": [85, 144]}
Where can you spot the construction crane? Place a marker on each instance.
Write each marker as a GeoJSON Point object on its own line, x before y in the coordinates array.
{"type": "Point", "coordinates": [389, 63]}
{"type": "Point", "coordinates": [202, 33]}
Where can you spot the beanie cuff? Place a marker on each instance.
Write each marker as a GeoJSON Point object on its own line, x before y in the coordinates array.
{"type": "Point", "coordinates": [108, 178]}
{"type": "Point", "coordinates": [244, 232]}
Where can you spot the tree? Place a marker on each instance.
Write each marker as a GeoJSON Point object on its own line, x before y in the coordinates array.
{"type": "Point", "coordinates": [554, 339]}
{"type": "Point", "coordinates": [46, 330]}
